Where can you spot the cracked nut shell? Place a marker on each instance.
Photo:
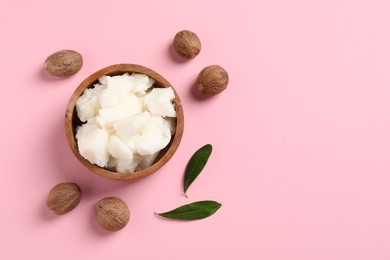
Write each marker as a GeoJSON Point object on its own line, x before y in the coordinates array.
{"type": "Point", "coordinates": [112, 213]}
{"type": "Point", "coordinates": [64, 197]}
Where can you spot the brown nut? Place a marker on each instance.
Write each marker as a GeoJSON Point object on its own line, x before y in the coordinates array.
{"type": "Point", "coordinates": [212, 80]}
{"type": "Point", "coordinates": [187, 44]}
{"type": "Point", "coordinates": [64, 197]}
{"type": "Point", "coordinates": [112, 213]}
{"type": "Point", "coordinates": [63, 63]}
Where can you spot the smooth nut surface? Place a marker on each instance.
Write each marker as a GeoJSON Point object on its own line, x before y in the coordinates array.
{"type": "Point", "coordinates": [64, 197]}
{"type": "Point", "coordinates": [187, 44]}
{"type": "Point", "coordinates": [212, 80]}
{"type": "Point", "coordinates": [63, 63]}
{"type": "Point", "coordinates": [112, 213]}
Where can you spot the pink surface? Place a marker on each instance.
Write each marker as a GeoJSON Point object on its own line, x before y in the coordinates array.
{"type": "Point", "coordinates": [301, 136]}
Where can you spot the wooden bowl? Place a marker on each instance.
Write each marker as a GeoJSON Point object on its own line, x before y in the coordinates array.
{"type": "Point", "coordinates": [72, 122]}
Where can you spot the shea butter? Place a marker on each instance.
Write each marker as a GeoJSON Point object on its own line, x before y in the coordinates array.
{"type": "Point", "coordinates": [126, 122]}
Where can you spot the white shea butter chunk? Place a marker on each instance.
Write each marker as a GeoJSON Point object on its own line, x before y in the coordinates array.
{"type": "Point", "coordinates": [87, 106]}
{"type": "Point", "coordinates": [128, 106]}
{"type": "Point", "coordinates": [155, 136]}
{"type": "Point", "coordinates": [147, 160]}
{"type": "Point", "coordinates": [127, 122]}
{"type": "Point", "coordinates": [171, 123]}
{"type": "Point", "coordinates": [92, 143]}
{"type": "Point", "coordinates": [118, 149]}
{"type": "Point", "coordinates": [159, 102]}
{"type": "Point", "coordinates": [141, 83]}
{"type": "Point", "coordinates": [125, 165]}
{"type": "Point", "coordinates": [118, 87]}
{"type": "Point", "coordinates": [132, 126]}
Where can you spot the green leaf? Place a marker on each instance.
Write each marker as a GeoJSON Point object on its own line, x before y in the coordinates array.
{"type": "Point", "coordinates": [193, 211]}
{"type": "Point", "coordinates": [196, 165]}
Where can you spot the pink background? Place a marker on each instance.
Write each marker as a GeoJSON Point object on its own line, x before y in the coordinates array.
{"type": "Point", "coordinates": [301, 136]}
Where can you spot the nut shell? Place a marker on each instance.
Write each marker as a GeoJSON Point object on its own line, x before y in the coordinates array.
{"type": "Point", "coordinates": [212, 80]}
{"type": "Point", "coordinates": [64, 197]}
{"type": "Point", "coordinates": [63, 63]}
{"type": "Point", "coordinates": [112, 213]}
{"type": "Point", "coordinates": [187, 44]}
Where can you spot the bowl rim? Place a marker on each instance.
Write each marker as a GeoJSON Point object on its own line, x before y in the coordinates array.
{"type": "Point", "coordinates": [119, 69]}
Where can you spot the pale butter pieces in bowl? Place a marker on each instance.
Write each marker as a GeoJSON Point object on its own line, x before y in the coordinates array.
{"type": "Point", "coordinates": [124, 122]}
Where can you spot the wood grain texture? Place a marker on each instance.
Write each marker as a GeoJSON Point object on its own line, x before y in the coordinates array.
{"type": "Point", "coordinates": [72, 122]}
